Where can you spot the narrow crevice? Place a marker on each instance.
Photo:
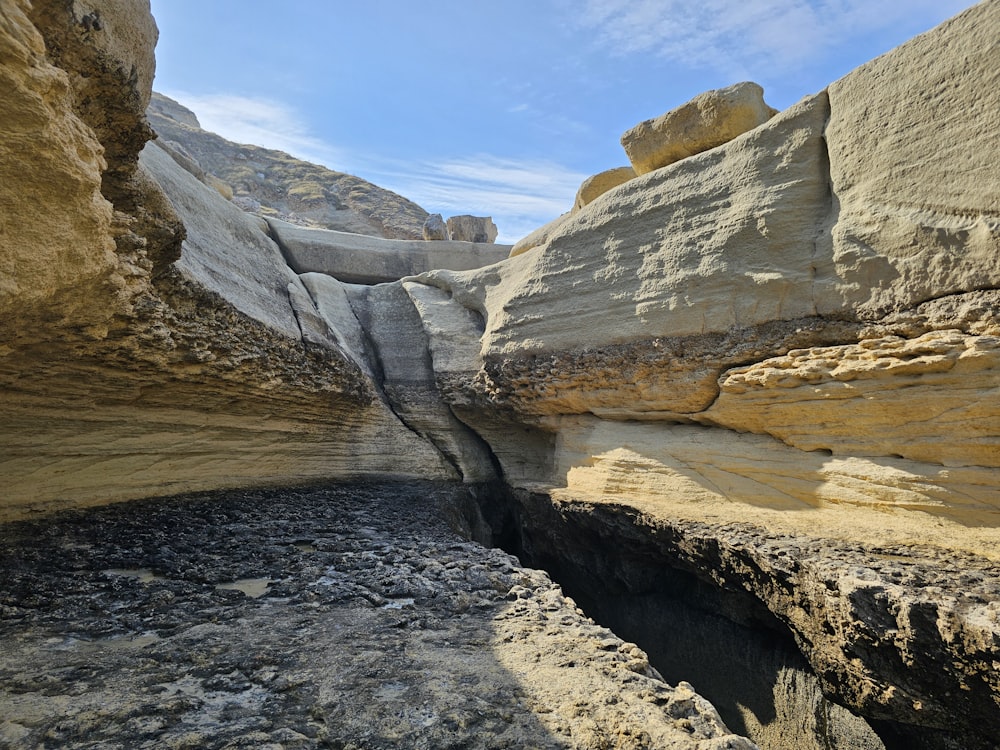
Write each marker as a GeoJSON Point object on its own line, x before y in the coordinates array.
{"type": "Point", "coordinates": [718, 636]}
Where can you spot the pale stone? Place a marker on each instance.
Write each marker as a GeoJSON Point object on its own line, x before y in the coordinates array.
{"type": "Point", "coordinates": [707, 121]}
{"type": "Point", "coordinates": [472, 228]}
{"type": "Point", "coordinates": [435, 228]}
{"type": "Point", "coordinates": [722, 241]}
{"type": "Point", "coordinates": [362, 259]}
{"type": "Point", "coordinates": [913, 166]}
{"type": "Point", "coordinates": [225, 250]}
{"type": "Point", "coordinates": [935, 398]}
{"type": "Point", "coordinates": [540, 236]}
{"type": "Point", "coordinates": [596, 186]}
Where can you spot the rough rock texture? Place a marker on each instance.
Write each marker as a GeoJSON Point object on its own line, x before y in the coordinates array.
{"type": "Point", "coordinates": [796, 331]}
{"type": "Point", "coordinates": [472, 228]}
{"type": "Point", "coordinates": [276, 185]}
{"type": "Point", "coordinates": [707, 121]}
{"type": "Point", "coordinates": [435, 228]}
{"type": "Point", "coordinates": [141, 355]}
{"type": "Point", "coordinates": [599, 184]}
{"type": "Point", "coordinates": [890, 629]}
{"type": "Point", "coordinates": [357, 259]}
{"type": "Point", "coordinates": [347, 617]}
{"type": "Point", "coordinates": [771, 367]}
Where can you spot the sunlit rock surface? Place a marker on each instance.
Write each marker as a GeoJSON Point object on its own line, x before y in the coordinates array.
{"type": "Point", "coordinates": [787, 343]}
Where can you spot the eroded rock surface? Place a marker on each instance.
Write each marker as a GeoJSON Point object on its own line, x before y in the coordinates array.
{"type": "Point", "coordinates": [348, 617]}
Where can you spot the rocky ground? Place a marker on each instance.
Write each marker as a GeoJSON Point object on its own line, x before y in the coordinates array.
{"type": "Point", "coordinates": [352, 616]}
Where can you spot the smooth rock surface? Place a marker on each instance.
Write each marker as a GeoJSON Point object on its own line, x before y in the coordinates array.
{"type": "Point", "coordinates": [917, 210]}
{"type": "Point", "coordinates": [707, 121]}
{"type": "Point", "coordinates": [360, 259]}
{"type": "Point", "coordinates": [599, 184]}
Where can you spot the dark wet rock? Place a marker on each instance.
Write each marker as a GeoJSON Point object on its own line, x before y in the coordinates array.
{"type": "Point", "coordinates": [349, 616]}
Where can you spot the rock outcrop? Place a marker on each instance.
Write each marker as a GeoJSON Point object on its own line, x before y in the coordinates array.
{"type": "Point", "coordinates": [707, 121]}
{"type": "Point", "coordinates": [468, 228]}
{"type": "Point", "coordinates": [435, 228]}
{"type": "Point", "coordinates": [760, 380]}
{"type": "Point", "coordinates": [360, 259]}
{"type": "Point", "coordinates": [275, 185]}
{"type": "Point", "coordinates": [599, 184]}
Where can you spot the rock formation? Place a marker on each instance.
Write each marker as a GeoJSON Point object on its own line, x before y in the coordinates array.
{"type": "Point", "coordinates": [754, 387]}
{"type": "Point", "coordinates": [435, 228]}
{"type": "Point", "coordinates": [360, 259]}
{"type": "Point", "coordinates": [472, 228]}
{"type": "Point", "coordinates": [599, 184]}
{"type": "Point", "coordinates": [276, 185]}
{"type": "Point", "coordinates": [707, 121]}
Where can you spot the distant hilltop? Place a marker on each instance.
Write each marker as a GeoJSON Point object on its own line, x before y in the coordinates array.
{"type": "Point", "coordinates": [273, 184]}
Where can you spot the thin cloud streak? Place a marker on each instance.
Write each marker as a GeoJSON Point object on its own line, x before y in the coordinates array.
{"type": "Point", "coordinates": [520, 195]}
{"type": "Point", "coordinates": [731, 36]}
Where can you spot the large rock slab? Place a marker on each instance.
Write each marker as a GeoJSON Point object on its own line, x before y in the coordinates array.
{"type": "Point", "coordinates": [472, 228]}
{"type": "Point", "coordinates": [912, 166]}
{"type": "Point", "coordinates": [721, 242]}
{"type": "Point", "coordinates": [707, 121]}
{"type": "Point", "coordinates": [360, 259]}
{"type": "Point", "coordinates": [934, 398]}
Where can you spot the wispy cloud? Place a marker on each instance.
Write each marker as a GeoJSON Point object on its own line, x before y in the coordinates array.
{"type": "Point", "coordinates": [259, 122]}
{"type": "Point", "coordinates": [732, 36]}
{"type": "Point", "coordinates": [520, 194]}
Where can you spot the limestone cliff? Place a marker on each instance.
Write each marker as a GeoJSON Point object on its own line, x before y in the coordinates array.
{"type": "Point", "coordinates": [276, 185]}
{"type": "Point", "coordinates": [760, 380]}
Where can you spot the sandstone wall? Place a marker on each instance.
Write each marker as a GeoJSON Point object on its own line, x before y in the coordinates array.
{"type": "Point", "coordinates": [153, 338]}
{"type": "Point", "coordinates": [818, 294]}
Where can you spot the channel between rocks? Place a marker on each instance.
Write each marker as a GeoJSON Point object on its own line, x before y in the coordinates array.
{"type": "Point", "coordinates": [675, 590]}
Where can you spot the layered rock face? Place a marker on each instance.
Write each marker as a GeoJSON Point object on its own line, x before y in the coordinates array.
{"type": "Point", "coordinates": [768, 368]}
{"type": "Point", "coordinates": [151, 343]}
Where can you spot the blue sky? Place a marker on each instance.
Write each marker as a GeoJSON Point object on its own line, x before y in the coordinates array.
{"type": "Point", "coordinates": [498, 107]}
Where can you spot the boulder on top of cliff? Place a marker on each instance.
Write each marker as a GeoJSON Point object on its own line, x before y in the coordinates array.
{"type": "Point", "coordinates": [596, 186]}
{"type": "Point", "coordinates": [707, 121]}
{"type": "Point", "coordinates": [435, 228]}
{"type": "Point", "coordinates": [467, 228]}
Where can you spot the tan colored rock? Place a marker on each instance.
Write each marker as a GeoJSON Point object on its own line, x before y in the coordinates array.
{"type": "Point", "coordinates": [695, 260]}
{"type": "Point", "coordinates": [707, 121]}
{"type": "Point", "coordinates": [467, 228]}
{"type": "Point", "coordinates": [55, 225]}
{"type": "Point", "coordinates": [716, 474]}
{"type": "Point", "coordinates": [935, 398]}
{"type": "Point", "coordinates": [914, 172]}
{"type": "Point", "coordinates": [599, 184]}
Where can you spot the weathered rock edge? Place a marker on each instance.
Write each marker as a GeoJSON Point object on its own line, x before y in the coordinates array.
{"type": "Point", "coordinates": [902, 634]}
